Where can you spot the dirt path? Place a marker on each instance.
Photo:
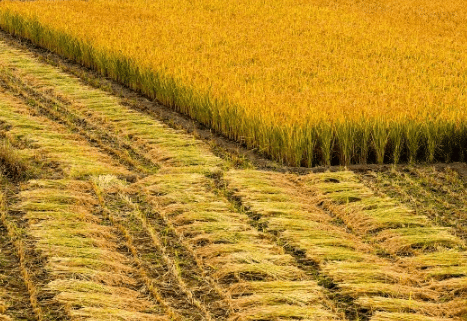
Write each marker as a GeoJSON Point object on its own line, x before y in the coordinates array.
{"type": "Point", "coordinates": [115, 215]}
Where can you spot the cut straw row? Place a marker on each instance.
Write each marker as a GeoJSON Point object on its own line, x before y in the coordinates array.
{"type": "Point", "coordinates": [86, 268]}
{"type": "Point", "coordinates": [124, 215]}
{"type": "Point", "coordinates": [440, 195]}
{"type": "Point", "coordinates": [261, 280]}
{"type": "Point", "coordinates": [430, 251]}
{"type": "Point", "coordinates": [88, 273]}
{"type": "Point", "coordinates": [15, 235]}
{"type": "Point", "coordinates": [396, 228]}
{"type": "Point", "coordinates": [375, 283]}
{"type": "Point", "coordinates": [105, 111]}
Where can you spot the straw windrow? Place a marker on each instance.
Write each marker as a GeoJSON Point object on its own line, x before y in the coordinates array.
{"type": "Point", "coordinates": [352, 202]}
{"type": "Point", "coordinates": [15, 299]}
{"type": "Point", "coordinates": [233, 253]}
{"type": "Point", "coordinates": [81, 255]}
{"type": "Point", "coordinates": [437, 193]}
{"type": "Point", "coordinates": [356, 264]}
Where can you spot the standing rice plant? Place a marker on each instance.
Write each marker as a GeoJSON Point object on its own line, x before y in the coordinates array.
{"type": "Point", "coordinates": [396, 136]}
{"type": "Point", "coordinates": [310, 142]}
{"type": "Point", "coordinates": [461, 141]}
{"type": "Point", "coordinates": [364, 138]}
{"type": "Point", "coordinates": [414, 133]}
{"type": "Point", "coordinates": [346, 135]}
{"type": "Point", "coordinates": [448, 140]}
{"type": "Point", "coordinates": [295, 147]}
{"type": "Point", "coordinates": [434, 132]}
{"type": "Point", "coordinates": [326, 136]}
{"type": "Point", "coordinates": [380, 137]}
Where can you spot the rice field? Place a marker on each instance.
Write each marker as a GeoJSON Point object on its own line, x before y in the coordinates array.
{"type": "Point", "coordinates": [304, 82]}
{"type": "Point", "coordinates": [108, 213]}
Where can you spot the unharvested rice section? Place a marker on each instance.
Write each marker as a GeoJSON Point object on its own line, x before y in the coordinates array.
{"type": "Point", "coordinates": [391, 262]}
{"type": "Point", "coordinates": [305, 82]}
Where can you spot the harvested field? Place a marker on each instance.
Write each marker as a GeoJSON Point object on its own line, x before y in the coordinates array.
{"type": "Point", "coordinates": [109, 213]}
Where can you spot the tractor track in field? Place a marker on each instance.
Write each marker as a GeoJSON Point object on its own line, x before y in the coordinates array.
{"type": "Point", "coordinates": [186, 234]}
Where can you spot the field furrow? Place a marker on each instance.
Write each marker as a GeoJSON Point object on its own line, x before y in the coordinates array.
{"type": "Point", "coordinates": [262, 282]}
{"type": "Point", "coordinates": [32, 263]}
{"type": "Point", "coordinates": [163, 273]}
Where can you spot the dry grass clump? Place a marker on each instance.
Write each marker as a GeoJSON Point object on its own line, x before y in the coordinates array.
{"type": "Point", "coordinates": [394, 290]}
{"type": "Point", "coordinates": [349, 258]}
{"type": "Point", "coordinates": [4, 317]}
{"type": "Point", "coordinates": [94, 314]}
{"type": "Point", "coordinates": [88, 293]}
{"type": "Point", "coordinates": [363, 210]}
{"type": "Point", "coordinates": [412, 240]}
{"type": "Point", "coordinates": [439, 259]}
{"type": "Point", "coordinates": [449, 309]}
{"type": "Point", "coordinates": [3, 308]}
{"type": "Point", "coordinates": [12, 165]}
{"type": "Point", "coordinates": [282, 296]}
{"type": "Point", "coordinates": [283, 312]}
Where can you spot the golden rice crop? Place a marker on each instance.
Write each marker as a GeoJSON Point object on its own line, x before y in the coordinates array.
{"type": "Point", "coordinates": [305, 82]}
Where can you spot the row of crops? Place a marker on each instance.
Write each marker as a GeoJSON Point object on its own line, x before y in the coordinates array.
{"type": "Point", "coordinates": [304, 82]}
